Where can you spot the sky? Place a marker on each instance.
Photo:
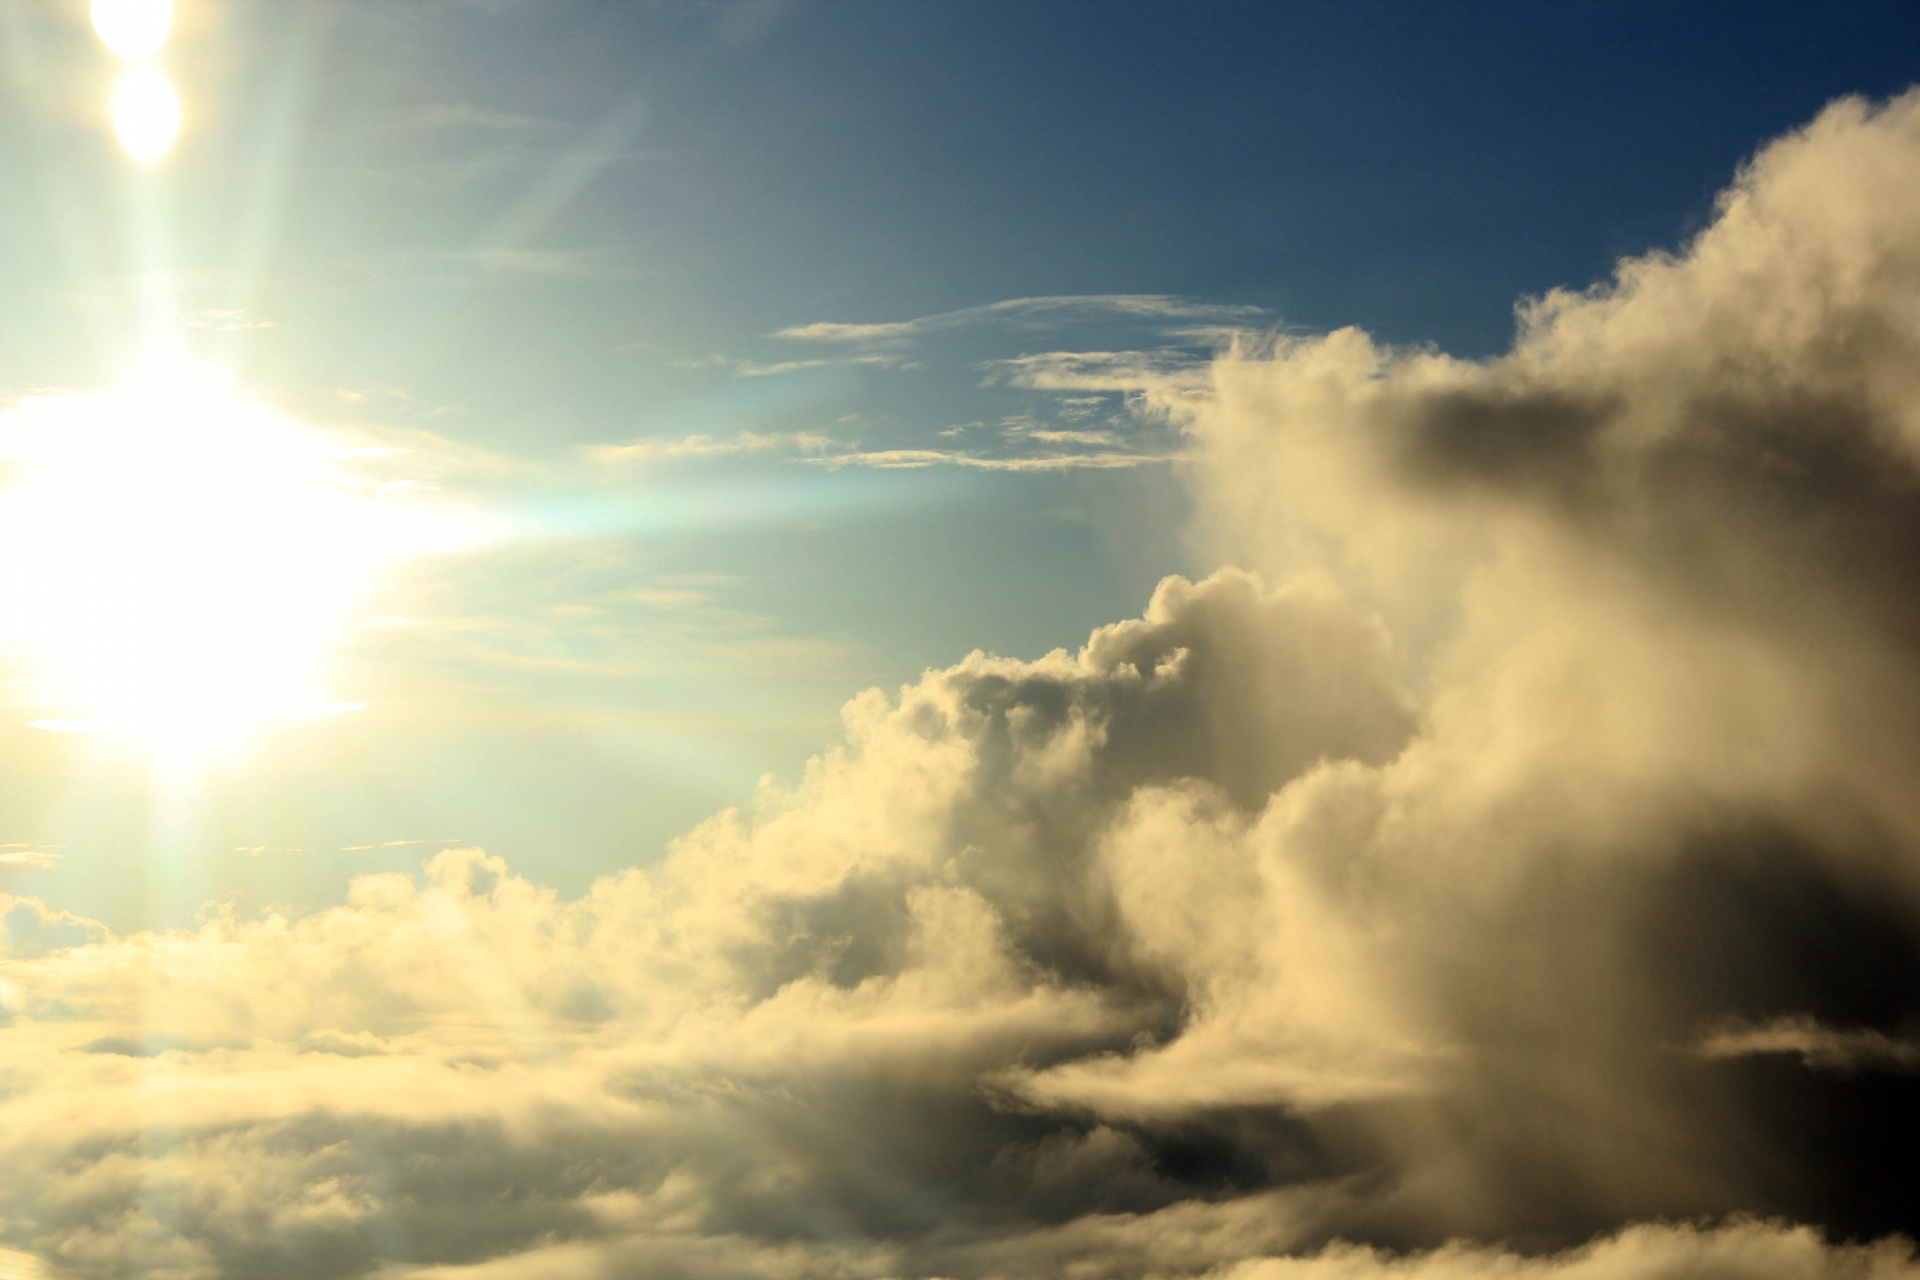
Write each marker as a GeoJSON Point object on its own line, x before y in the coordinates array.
{"type": "Point", "coordinates": [785, 638]}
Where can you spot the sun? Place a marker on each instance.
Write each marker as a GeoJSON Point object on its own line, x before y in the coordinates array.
{"type": "Point", "coordinates": [176, 562]}
{"type": "Point", "coordinates": [132, 29]}
{"type": "Point", "coordinates": [146, 115]}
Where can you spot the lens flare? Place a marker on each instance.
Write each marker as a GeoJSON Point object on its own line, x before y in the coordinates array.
{"type": "Point", "coordinates": [146, 115]}
{"type": "Point", "coordinates": [133, 29]}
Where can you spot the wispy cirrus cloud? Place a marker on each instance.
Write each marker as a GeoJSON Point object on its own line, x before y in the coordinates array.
{"type": "Point", "coordinates": [702, 446]}
{"type": "Point", "coordinates": [1095, 459]}
{"type": "Point", "coordinates": [1031, 312]}
{"type": "Point", "coordinates": [1122, 372]}
{"type": "Point", "coordinates": [741, 368]}
{"type": "Point", "coordinates": [394, 844]}
{"type": "Point", "coordinates": [1057, 451]}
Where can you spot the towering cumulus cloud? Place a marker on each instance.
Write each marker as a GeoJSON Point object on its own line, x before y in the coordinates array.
{"type": "Point", "coordinates": [1510, 869]}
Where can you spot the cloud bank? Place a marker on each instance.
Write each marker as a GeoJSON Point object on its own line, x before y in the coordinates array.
{"type": "Point", "coordinates": [1469, 884]}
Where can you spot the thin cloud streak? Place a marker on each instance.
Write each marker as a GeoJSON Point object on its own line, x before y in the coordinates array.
{"type": "Point", "coordinates": [1041, 312]}
{"type": "Point", "coordinates": [820, 450]}
{"type": "Point", "coordinates": [1819, 1047]}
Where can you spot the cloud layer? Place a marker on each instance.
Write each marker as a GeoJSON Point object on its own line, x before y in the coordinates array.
{"type": "Point", "coordinates": [1512, 870]}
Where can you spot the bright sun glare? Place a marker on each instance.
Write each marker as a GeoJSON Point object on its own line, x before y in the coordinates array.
{"type": "Point", "coordinates": [178, 561]}
{"type": "Point", "coordinates": [146, 114]}
{"type": "Point", "coordinates": [133, 29]}
{"type": "Point", "coordinates": [146, 110]}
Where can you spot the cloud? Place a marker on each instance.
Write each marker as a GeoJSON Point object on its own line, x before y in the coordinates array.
{"type": "Point", "coordinates": [1743, 1250]}
{"type": "Point", "coordinates": [749, 369]}
{"type": "Point", "coordinates": [20, 1266]}
{"type": "Point", "coordinates": [1091, 459]}
{"type": "Point", "coordinates": [1171, 1241]}
{"type": "Point", "coordinates": [1033, 312]}
{"type": "Point", "coordinates": [391, 844]}
{"type": "Point", "coordinates": [1817, 1046]}
{"type": "Point", "coordinates": [1164, 372]}
{"type": "Point", "coordinates": [1059, 451]}
{"type": "Point", "coordinates": [907, 915]}
{"type": "Point", "coordinates": [28, 856]}
{"type": "Point", "coordinates": [1339, 916]}
{"type": "Point", "coordinates": [1074, 384]}
{"type": "Point", "coordinates": [228, 320]}
{"type": "Point", "coordinates": [29, 928]}
{"type": "Point", "coordinates": [803, 443]}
